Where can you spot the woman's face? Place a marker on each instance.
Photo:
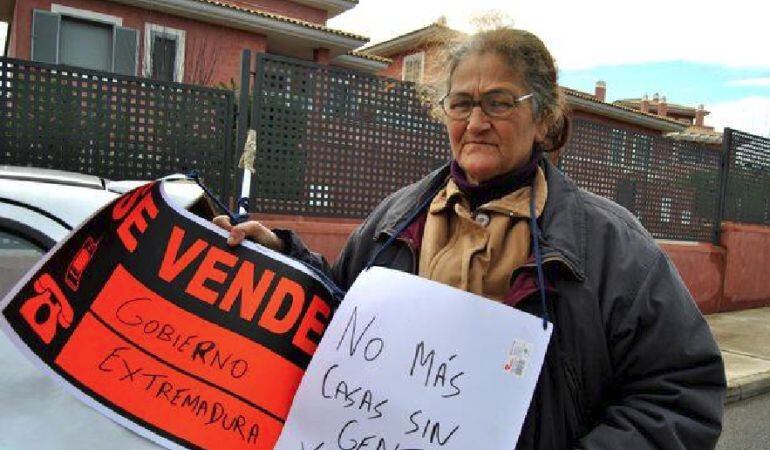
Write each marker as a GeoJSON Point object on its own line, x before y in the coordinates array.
{"type": "Point", "coordinates": [483, 146]}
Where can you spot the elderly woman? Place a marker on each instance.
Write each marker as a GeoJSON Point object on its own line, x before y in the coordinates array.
{"type": "Point", "coordinates": [632, 363]}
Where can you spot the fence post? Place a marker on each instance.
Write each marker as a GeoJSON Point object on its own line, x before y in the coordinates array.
{"type": "Point", "coordinates": [724, 166]}
{"type": "Point", "coordinates": [228, 171]}
{"type": "Point", "coordinates": [243, 116]}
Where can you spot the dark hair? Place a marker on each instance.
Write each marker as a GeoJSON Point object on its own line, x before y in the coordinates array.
{"type": "Point", "coordinates": [527, 56]}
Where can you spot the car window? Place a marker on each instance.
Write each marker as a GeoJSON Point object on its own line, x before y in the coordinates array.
{"type": "Point", "coordinates": [17, 256]}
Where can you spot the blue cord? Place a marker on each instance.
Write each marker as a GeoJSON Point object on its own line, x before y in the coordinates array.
{"type": "Point", "coordinates": [538, 257]}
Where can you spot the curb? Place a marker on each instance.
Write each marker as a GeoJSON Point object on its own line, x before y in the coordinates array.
{"type": "Point", "coordinates": [747, 387]}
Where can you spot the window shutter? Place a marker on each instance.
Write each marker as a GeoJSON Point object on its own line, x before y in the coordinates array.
{"type": "Point", "coordinates": [412, 70]}
{"type": "Point", "coordinates": [45, 36]}
{"type": "Point", "coordinates": [125, 50]}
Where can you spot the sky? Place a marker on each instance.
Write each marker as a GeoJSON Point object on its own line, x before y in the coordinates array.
{"type": "Point", "coordinates": [706, 52]}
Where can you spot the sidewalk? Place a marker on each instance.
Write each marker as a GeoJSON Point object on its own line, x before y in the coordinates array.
{"type": "Point", "coordinates": [744, 338]}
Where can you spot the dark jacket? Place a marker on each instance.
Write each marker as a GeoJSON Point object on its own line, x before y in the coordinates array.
{"type": "Point", "coordinates": [632, 363]}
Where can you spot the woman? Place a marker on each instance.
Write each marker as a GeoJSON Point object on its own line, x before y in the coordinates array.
{"type": "Point", "coordinates": [632, 363]}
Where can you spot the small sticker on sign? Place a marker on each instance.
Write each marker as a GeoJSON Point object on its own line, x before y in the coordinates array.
{"type": "Point", "coordinates": [518, 357]}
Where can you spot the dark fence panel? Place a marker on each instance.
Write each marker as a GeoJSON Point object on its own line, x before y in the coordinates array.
{"type": "Point", "coordinates": [114, 126]}
{"type": "Point", "coordinates": [671, 186]}
{"type": "Point", "coordinates": [334, 142]}
{"type": "Point", "coordinates": [747, 194]}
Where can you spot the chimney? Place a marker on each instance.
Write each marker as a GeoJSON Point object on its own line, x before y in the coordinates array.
{"type": "Point", "coordinates": [700, 114]}
{"type": "Point", "coordinates": [600, 91]}
{"type": "Point", "coordinates": [662, 107]}
{"type": "Point", "coordinates": [645, 105]}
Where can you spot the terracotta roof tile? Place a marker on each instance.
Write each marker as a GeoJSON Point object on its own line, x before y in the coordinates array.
{"type": "Point", "coordinates": [314, 26]}
{"type": "Point", "coordinates": [693, 134]}
{"type": "Point", "coordinates": [370, 57]}
{"type": "Point", "coordinates": [638, 101]}
{"type": "Point", "coordinates": [592, 98]}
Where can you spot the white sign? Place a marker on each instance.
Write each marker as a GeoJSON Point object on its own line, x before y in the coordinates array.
{"type": "Point", "coordinates": [408, 364]}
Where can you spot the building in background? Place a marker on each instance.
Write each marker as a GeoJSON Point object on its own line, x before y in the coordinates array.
{"type": "Point", "coordinates": [415, 55]}
{"type": "Point", "coordinates": [192, 41]}
{"type": "Point", "coordinates": [694, 118]}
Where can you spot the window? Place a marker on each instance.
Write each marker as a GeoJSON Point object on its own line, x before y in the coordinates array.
{"type": "Point", "coordinates": [17, 256]}
{"type": "Point", "coordinates": [164, 53]}
{"type": "Point", "coordinates": [84, 43]}
{"type": "Point", "coordinates": [665, 210]}
{"type": "Point", "coordinates": [413, 67]}
{"type": "Point", "coordinates": [83, 38]}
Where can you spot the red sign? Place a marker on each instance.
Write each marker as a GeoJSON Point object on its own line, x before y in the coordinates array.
{"type": "Point", "coordinates": [146, 310]}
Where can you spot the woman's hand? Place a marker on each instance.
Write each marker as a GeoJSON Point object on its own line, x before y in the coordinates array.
{"type": "Point", "coordinates": [252, 230]}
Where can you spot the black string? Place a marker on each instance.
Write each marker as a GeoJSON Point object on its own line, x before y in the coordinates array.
{"type": "Point", "coordinates": [235, 219]}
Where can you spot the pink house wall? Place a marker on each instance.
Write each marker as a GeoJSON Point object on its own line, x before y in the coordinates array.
{"type": "Point", "coordinates": [702, 268]}
{"type": "Point", "coordinates": [213, 41]}
{"type": "Point", "coordinates": [734, 275]}
{"type": "Point", "coordinates": [747, 273]}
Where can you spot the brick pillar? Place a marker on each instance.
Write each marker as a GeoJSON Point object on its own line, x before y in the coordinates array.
{"type": "Point", "coordinates": [600, 91]}
{"type": "Point", "coordinates": [645, 105]}
{"type": "Point", "coordinates": [321, 56]}
{"type": "Point", "coordinates": [700, 115]}
{"type": "Point", "coordinates": [662, 107]}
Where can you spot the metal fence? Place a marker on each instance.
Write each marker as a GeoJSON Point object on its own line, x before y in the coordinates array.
{"type": "Point", "coordinates": [335, 142]}
{"type": "Point", "coordinates": [747, 185]}
{"type": "Point", "coordinates": [671, 186]}
{"type": "Point", "coordinates": [114, 126]}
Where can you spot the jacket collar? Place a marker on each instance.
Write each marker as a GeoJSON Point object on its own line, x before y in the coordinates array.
{"type": "Point", "coordinates": [563, 222]}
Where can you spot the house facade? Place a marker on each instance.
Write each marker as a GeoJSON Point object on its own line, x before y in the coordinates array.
{"type": "Point", "coordinates": [415, 56]}
{"type": "Point", "coordinates": [192, 41]}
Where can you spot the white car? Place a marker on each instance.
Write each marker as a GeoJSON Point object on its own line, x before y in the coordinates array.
{"type": "Point", "coordinates": [38, 208]}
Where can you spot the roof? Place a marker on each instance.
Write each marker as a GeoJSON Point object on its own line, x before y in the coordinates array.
{"type": "Point", "coordinates": [671, 107]}
{"type": "Point", "coordinates": [332, 7]}
{"type": "Point", "coordinates": [285, 19]}
{"type": "Point", "coordinates": [409, 40]}
{"type": "Point", "coordinates": [696, 134]}
{"type": "Point", "coordinates": [380, 59]}
{"type": "Point", "coordinates": [360, 61]}
{"type": "Point", "coordinates": [666, 123]}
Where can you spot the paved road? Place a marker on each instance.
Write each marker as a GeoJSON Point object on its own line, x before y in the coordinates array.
{"type": "Point", "coordinates": [746, 425]}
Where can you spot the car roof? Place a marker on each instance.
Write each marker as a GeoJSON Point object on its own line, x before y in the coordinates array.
{"type": "Point", "coordinates": [51, 176]}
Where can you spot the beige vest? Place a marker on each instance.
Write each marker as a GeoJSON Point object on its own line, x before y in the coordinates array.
{"type": "Point", "coordinates": [478, 252]}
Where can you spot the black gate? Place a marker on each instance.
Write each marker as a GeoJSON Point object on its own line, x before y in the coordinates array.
{"type": "Point", "coordinates": [114, 126]}
{"type": "Point", "coordinates": [747, 187]}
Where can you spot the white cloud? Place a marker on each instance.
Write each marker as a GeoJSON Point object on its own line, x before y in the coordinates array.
{"type": "Point", "coordinates": [760, 82]}
{"type": "Point", "coordinates": [589, 33]}
{"type": "Point", "coordinates": [750, 114]}
{"type": "Point", "coordinates": [3, 31]}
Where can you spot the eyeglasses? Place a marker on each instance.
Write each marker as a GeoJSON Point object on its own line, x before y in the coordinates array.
{"type": "Point", "coordinates": [495, 104]}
